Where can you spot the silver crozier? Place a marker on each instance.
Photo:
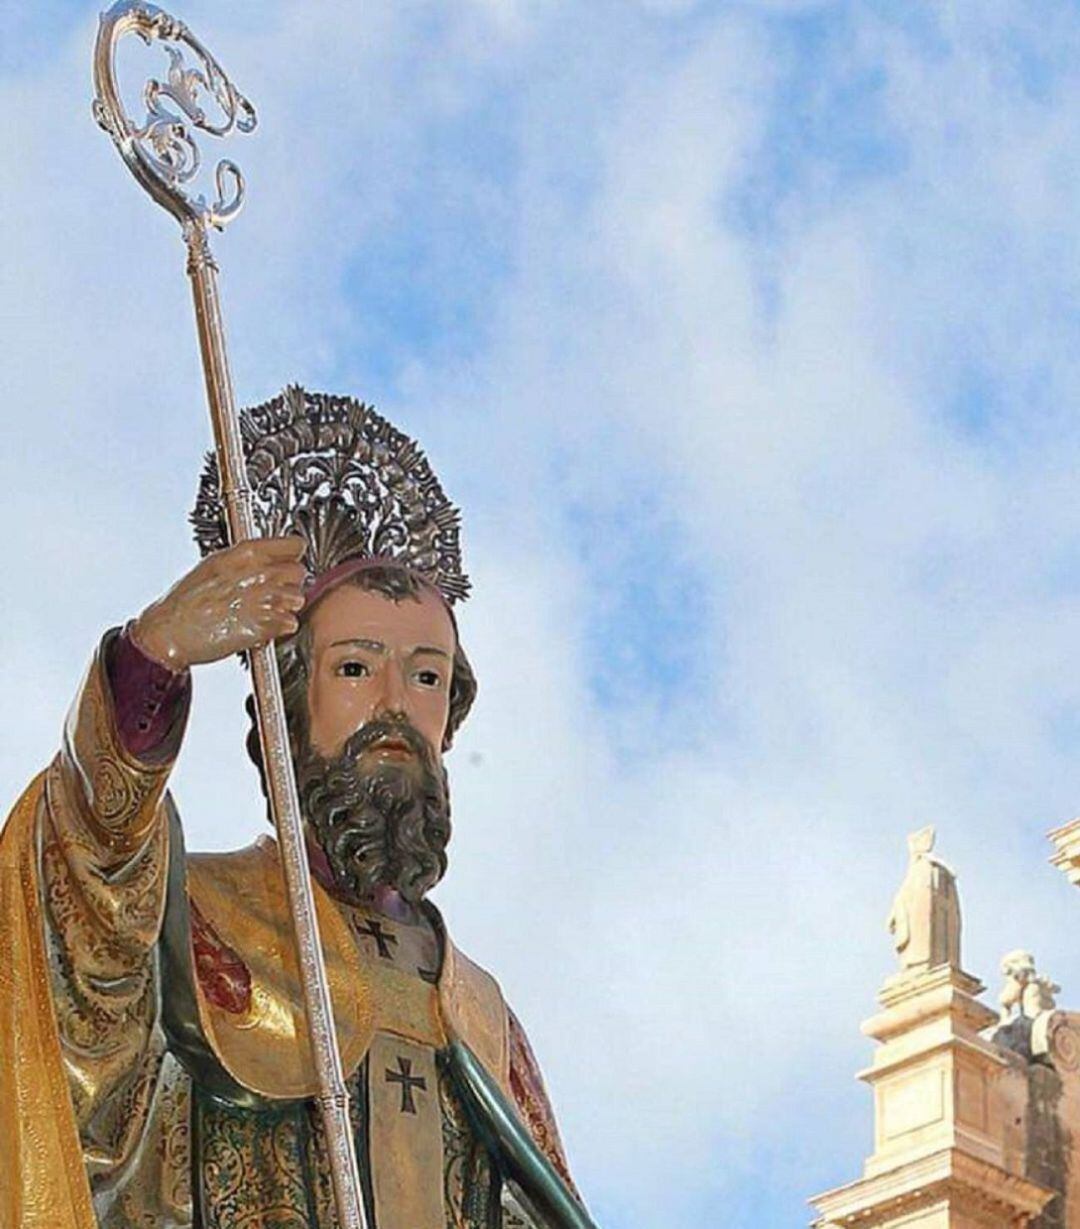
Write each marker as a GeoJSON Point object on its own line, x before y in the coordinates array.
{"type": "Point", "coordinates": [162, 155]}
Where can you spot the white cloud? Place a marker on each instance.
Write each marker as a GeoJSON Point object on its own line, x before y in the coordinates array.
{"type": "Point", "coordinates": [690, 925]}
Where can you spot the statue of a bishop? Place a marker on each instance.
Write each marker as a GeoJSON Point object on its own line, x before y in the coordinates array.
{"type": "Point", "coordinates": [154, 1066]}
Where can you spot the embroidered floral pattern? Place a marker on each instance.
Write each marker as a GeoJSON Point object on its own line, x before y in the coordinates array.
{"type": "Point", "coordinates": [527, 1085]}
{"type": "Point", "coordinates": [252, 1167]}
{"type": "Point", "coordinates": [469, 1184]}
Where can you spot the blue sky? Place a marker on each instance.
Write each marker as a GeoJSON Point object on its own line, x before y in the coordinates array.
{"type": "Point", "coordinates": [746, 336]}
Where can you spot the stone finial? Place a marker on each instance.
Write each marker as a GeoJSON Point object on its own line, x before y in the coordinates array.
{"type": "Point", "coordinates": [925, 916]}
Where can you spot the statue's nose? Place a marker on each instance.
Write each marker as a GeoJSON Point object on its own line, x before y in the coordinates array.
{"type": "Point", "coordinates": [392, 695]}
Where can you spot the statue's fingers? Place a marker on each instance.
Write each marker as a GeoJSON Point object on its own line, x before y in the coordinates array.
{"type": "Point", "coordinates": [283, 577]}
{"type": "Point", "coordinates": [286, 601]}
{"type": "Point", "coordinates": [276, 623]}
{"type": "Point", "coordinates": [273, 598]}
{"type": "Point", "coordinates": [287, 575]}
{"type": "Point", "coordinates": [289, 547]}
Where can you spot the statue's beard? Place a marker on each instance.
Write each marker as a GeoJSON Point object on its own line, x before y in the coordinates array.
{"type": "Point", "coordinates": [379, 822]}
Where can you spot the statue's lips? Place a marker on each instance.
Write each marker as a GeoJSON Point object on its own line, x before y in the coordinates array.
{"type": "Point", "coordinates": [392, 748]}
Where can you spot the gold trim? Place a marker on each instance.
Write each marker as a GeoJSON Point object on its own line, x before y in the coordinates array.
{"type": "Point", "coordinates": [405, 1126]}
{"type": "Point", "coordinates": [474, 1011]}
{"type": "Point", "coordinates": [119, 794]}
{"type": "Point", "coordinates": [267, 1049]}
{"type": "Point", "coordinates": [43, 1183]}
{"type": "Point", "coordinates": [241, 896]}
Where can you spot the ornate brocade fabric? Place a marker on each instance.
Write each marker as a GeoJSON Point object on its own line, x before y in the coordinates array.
{"type": "Point", "coordinates": [268, 1167]}
{"type": "Point", "coordinates": [160, 1150]}
{"type": "Point", "coordinates": [530, 1096]}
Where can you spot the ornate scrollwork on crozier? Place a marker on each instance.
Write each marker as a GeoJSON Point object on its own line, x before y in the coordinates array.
{"type": "Point", "coordinates": [162, 150]}
{"type": "Point", "coordinates": [334, 471]}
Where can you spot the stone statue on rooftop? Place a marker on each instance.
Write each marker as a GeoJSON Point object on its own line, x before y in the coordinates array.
{"type": "Point", "coordinates": [925, 916]}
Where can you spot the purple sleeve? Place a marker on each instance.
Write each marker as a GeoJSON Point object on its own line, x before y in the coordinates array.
{"type": "Point", "coordinates": [150, 701]}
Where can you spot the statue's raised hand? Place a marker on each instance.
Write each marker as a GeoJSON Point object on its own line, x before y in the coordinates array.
{"type": "Point", "coordinates": [235, 599]}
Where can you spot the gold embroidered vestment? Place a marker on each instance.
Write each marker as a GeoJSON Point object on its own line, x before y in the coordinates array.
{"type": "Point", "coordinates": [132, 1093]}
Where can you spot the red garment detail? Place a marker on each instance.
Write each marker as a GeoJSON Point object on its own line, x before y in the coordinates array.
{"type": "Point", "coordinates": [527, 1085]}
{"type": "Point", "coordinates": [150, 701]}
{"type": "Point", "coordinates": [223, 976]}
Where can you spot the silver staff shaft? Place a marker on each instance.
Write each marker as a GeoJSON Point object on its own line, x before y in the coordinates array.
{"type": "Point", "coordinates": [333, 1098]}
{"type": "Point", "coordinates": [163, 156]}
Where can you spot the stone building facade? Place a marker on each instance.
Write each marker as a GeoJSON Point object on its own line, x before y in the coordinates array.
{"type": "Point", "coordinates": [976, 1110]}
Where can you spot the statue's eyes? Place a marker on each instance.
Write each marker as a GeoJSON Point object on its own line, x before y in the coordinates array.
{"type": "Point", "coordinates": [353, 670]}
{"type": "Point", "coordinates": [428, 678]}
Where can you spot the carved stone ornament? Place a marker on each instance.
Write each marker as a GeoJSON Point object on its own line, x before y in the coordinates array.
{"type": "Point", "coordinates": [1062, 1042]}
{"type": "Point", "coordinates": [1025, 992]}
{"type": "Point", "coordinates": [1029, 1014]}
{"type": "Point", "coordinates": [334, 471]}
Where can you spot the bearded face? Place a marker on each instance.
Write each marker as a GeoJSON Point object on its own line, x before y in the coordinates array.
{"type": "Point", "coordinates": [380, 810]}
{"type": "Point", "coordinates": [375, 684]}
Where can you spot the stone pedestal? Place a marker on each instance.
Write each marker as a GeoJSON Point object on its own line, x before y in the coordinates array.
{"type": "Point", "coordinates": [941, 1157]}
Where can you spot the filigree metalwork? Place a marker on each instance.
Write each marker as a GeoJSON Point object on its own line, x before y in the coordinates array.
{"type": "Point", "coordinates": [162, 151]}
{"type": "Point", "coordinates": [335, 471]}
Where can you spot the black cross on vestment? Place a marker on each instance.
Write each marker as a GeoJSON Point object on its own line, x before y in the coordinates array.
{"type": "Point", "coordinates": [383, 938]}
{"type": "Point", "coordinates": [408, 1082]}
